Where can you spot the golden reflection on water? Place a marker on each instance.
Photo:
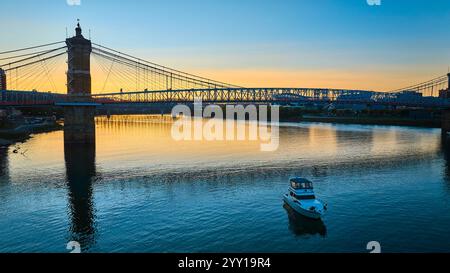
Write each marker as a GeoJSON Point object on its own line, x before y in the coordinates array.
{"type": "Point", "coordinates": [319, 142]}
{"type": "Point", "coordinates": [145, 142]}
{"type": "Point", "coordinates": [152, 139]}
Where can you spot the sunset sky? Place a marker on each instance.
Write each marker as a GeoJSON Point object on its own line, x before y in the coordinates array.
{"type": "Point", "coordinates": [256, 43]}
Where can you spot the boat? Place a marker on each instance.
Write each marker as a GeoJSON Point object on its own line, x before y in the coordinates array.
{"type": "Point", "coordinates": [302, 199]}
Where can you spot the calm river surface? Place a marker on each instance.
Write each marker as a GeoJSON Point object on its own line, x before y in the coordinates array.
{"type": "Point", "coordinates": [141, 191]}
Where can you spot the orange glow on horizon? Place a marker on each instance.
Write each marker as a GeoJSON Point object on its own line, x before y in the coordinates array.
{"type": "Point", "coordinates": [295, 78]}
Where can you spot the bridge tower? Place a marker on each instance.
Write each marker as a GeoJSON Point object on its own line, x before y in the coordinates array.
{"type": "Point", "coordinates": [79, 62]}
{"type": "Point", "coordinates": [448, 75]}
{"type": "Point", "coordinates": [79, 110]}
{"type": "Point", "coordinates": [3, 85]}
{"type": "Point", "coordinates": [446, 112]}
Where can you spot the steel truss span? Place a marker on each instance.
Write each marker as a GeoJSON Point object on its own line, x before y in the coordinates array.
{"type": "Point", "coordinates": [231, 95]}
{"type": "Point", "coordinates": [225, 95]}
{"type": "Point", "coordinates": [269, 95]}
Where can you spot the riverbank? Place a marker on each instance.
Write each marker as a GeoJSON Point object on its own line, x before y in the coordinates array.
{"type": "Point", "coordinates": [427, 123]}
{"type": "Point", "coordinates": [403, 117]}
{"type": "Point", "coordinates": [20, 133]}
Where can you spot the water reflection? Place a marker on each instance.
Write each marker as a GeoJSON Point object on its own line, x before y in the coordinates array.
{"type": "Point", "coordinates": [445, 149]}
{"type": "Point", "coordinates": [4, 162]}
{"type": "Point", "coordinates": [80, 173]}
{"type": "Point", "coordinates": [301, 226]}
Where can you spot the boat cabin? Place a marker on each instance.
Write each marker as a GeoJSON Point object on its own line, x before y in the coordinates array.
{"type": "Point", "coordinates": [301, 184]}
{"type": "Point", "coordinates": [302, 189]}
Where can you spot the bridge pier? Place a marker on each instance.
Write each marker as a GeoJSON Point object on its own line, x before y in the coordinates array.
{"type": "Point", "coordinates": [79, 124]}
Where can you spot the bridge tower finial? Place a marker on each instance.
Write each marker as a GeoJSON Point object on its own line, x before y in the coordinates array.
{"type": "Point", "coordinates": [78, 29]}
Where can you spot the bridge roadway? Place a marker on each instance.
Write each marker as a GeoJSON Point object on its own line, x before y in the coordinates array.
{"type": "Point", "coordinates": [230, 95]}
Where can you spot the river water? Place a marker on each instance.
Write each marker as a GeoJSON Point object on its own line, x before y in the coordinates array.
{"type": "Point", "coordinates": [139, 190]}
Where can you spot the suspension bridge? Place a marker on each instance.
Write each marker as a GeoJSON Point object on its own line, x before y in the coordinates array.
{"type": "Point", "coordinates": [35, 76]}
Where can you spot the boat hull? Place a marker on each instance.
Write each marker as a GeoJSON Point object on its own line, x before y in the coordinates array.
{"type": "Point", "coordinates": [296, 207]}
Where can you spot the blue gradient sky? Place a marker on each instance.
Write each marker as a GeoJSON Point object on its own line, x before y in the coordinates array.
{"type": "Point", "coordinates": [326, 43]}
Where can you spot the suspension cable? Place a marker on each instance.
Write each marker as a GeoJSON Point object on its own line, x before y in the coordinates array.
{"type": "Point", "coordinates": [41, 60]}
{"type": "Point", "coordinates": [33, 57]}
{"type": "Point", "coordinates": [435, 81]}
{"type": "Point", "coordinates": [179, 76]}
{"type": "Point", "coordinates": [29, 48]}
{"type": "Point", "coordinates": [158, 71]}
{"type": "Point", "coordinates": [167, 68]}
{"type": "Point", "coordinates": [23, 55]}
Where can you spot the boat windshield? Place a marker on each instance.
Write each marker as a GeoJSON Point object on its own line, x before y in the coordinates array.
{"type": "Point", "coordinates": [302, 185]}
{"type": "Point", "coordinates": [305, 197]}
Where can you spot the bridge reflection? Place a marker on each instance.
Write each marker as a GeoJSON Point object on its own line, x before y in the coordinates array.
{"type": "Point", "coordinates": [4, 163]}
{"type": "Point", "coordinates": [80, 174]}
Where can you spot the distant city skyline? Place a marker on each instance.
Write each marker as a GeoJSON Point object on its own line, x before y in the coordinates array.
{"type": "Point", "coordinates": [256, 43]}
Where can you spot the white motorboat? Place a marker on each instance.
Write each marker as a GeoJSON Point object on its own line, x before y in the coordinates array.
{"type": "Point", "coordinates": [302, 199]}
